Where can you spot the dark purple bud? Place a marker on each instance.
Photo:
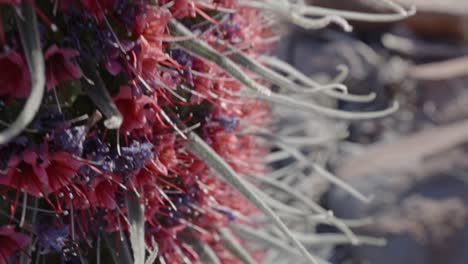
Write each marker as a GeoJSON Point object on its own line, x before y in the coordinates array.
{"type": "Point", "coordinates": [228, 123]}
{"type": "Point", "coordinates": [133, 157]}
{"type": "Point", "coordinates": [93, 146]}
{"type": "Point", "coordinates": [49, 119]}
{"type": "Point", "coordinates": [181, 199]}
{"type": "Point", "coordinates": [181, 57]}
{"type": "Point", "coordinates": [97, 151]}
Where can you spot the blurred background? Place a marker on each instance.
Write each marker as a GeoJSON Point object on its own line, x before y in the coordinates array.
{"type": "Point", "coordinates": [414, 163]}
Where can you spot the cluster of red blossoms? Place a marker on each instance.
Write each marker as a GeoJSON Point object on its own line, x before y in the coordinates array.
{"type": "Point", "coordinates": [66, 180]}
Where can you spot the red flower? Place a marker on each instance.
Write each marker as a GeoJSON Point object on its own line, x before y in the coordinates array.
{"type": "Point", "coordinates": [170, 247]}
{"type": "Point", "coordinates": [10, 242]}
{"type": "Point", "coordinates": [61, 170]}
{"type": "Point", "coordinates": [40, 174]}
{"type": "Point", "coordinates": [14, 75]}
{"type": "Point", "coordinates": [76, 196]}
{"type": "Point", "coordinates": [153, 201]}
{"type": "Point", "coordinates": [115, 221]}
{"type": "Point", "coordinates": [102, 193]}
{"type": "Point", "coordinates": [26, 173]}
{"type": "Point", "coordinates": [60, 67]}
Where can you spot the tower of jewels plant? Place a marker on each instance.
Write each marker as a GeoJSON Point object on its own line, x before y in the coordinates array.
{"type": "Point", "coordinates": [135, 131]}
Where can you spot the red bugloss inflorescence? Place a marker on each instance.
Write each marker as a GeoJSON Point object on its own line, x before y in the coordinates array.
{"type": "Point", "coordinates": [74, 166]}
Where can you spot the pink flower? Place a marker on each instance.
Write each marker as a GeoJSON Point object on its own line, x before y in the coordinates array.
{"type": "Point", "coordinates": [10, 242]}
{"type": "Point", "coordinates": [60, 67]}
{"type": "Point", "coordinates": [14, 75]}
{"type": "Point", "coordinates": [165, 155]}
{"type": "Point", "coordinates": [138, 111]}
{"type": "Point", "coordinates": [152, 24]}
{"type": "Point", "coordinates": [184, 8]}
{"type": "Point", "coordinates": [149, 58]}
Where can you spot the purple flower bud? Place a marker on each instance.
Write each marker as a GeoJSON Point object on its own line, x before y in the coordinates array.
{"type": "Point", "coordinates": [71, 139]}
{"type": "Point", "coordinates": [51, 238]}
